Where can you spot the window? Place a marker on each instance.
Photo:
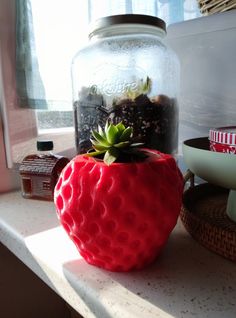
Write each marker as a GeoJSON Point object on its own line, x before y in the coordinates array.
{"type": "Point", "coordinates": [57, 29]}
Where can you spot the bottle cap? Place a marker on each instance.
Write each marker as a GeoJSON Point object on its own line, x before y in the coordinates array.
{"type": "Point", "coordinates": [44, 145]}
{"type": "Point", "coordinates": [103, 23]}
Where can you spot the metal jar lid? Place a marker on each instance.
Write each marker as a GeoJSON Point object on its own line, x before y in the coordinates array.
{"type": "Point", "coordinates": [123, 19]}
{"type": "Point", "coordinates": [223, 135]}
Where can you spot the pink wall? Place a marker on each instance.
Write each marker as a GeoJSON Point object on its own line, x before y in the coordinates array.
{"type": "Point", "coordinates": [8, 177]}
{"type": "Point", "coordinates": [17, 124]}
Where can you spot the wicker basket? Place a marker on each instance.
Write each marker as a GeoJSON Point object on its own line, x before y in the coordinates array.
{"type": "Point", "coordinates": [213, 6]}
{"type": "Point", "coordinates": [204, 216]}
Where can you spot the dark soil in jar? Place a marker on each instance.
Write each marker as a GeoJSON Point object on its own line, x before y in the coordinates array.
{"type": "Point", "coordinates": [154, 122]}
{"type": "Point", "coordinates": [89, 112]}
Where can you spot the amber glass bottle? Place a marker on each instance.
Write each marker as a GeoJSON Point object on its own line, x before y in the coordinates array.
{"type": "Point", "coordinates": [39, 172]}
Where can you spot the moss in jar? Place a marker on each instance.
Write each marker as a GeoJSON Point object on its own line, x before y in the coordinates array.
{"type": "Point", "coordinates": [154, 120]}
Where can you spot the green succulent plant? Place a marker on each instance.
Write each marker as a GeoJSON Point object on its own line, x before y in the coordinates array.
{"type": "Point", "coordinates": [143, 87]}
{"type": "Point", "coordinates": [114, 143]}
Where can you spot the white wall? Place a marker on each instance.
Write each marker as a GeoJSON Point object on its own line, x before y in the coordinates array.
{"type": "Point", "coordinates": [207, 51]}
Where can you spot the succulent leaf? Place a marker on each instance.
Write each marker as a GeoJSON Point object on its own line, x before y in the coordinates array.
{"type": "Point", "coordinates": [111, 156]}
{"type": "Point", "coordinates": [97, 146]}
{"type": "Point", "coordinates": [102, 140]}
{"type": "Point", "coordinates": [126, 134]}
{"type": "Point", "coordinates": [114, 142]}
{"type": "Point", "coordinates": [101, 132]}
{"type": "Point", "coordinates": [123, 144]}
{"type": "Point", "coordinates": [106, 127]}
{"type": "Point", "coordinates": [120, 127]}
{"type": "Point", "coordinates": [146, 86]}
{"type": "Point", "coordinates": [136, 144]}
{"type": "Point", "coordinates": [112, 134]}
{"type": "Point", "coordinates": [95, 153]}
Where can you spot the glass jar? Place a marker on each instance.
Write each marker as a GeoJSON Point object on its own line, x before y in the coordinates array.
{"type": "Point", "coordinates": [126, 73]}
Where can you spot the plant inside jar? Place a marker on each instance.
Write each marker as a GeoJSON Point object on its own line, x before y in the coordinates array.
{"type": "Point", "coordinates": [154, 120]}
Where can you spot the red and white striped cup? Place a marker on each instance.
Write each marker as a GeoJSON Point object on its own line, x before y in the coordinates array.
{"type": "Point", "coordinates": [223, 139]}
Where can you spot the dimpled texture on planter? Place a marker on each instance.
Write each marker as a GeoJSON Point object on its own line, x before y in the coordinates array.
{"type": "Point", "coordinates": [119, 216]}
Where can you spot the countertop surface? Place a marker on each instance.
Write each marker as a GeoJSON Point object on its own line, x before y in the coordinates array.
{"type": "Point", "coordinates": [186, 280]}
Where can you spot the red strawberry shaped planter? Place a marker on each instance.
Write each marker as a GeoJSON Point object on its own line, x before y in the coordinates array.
{"type": "Point", "coordinates": [119, 214]}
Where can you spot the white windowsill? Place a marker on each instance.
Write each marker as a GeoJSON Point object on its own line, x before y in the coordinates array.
{"type": "Point", "coordinates": [186, 281]}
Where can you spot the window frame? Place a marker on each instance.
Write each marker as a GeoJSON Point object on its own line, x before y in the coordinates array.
{"type": "Point", "coordinates": [12, 116]}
